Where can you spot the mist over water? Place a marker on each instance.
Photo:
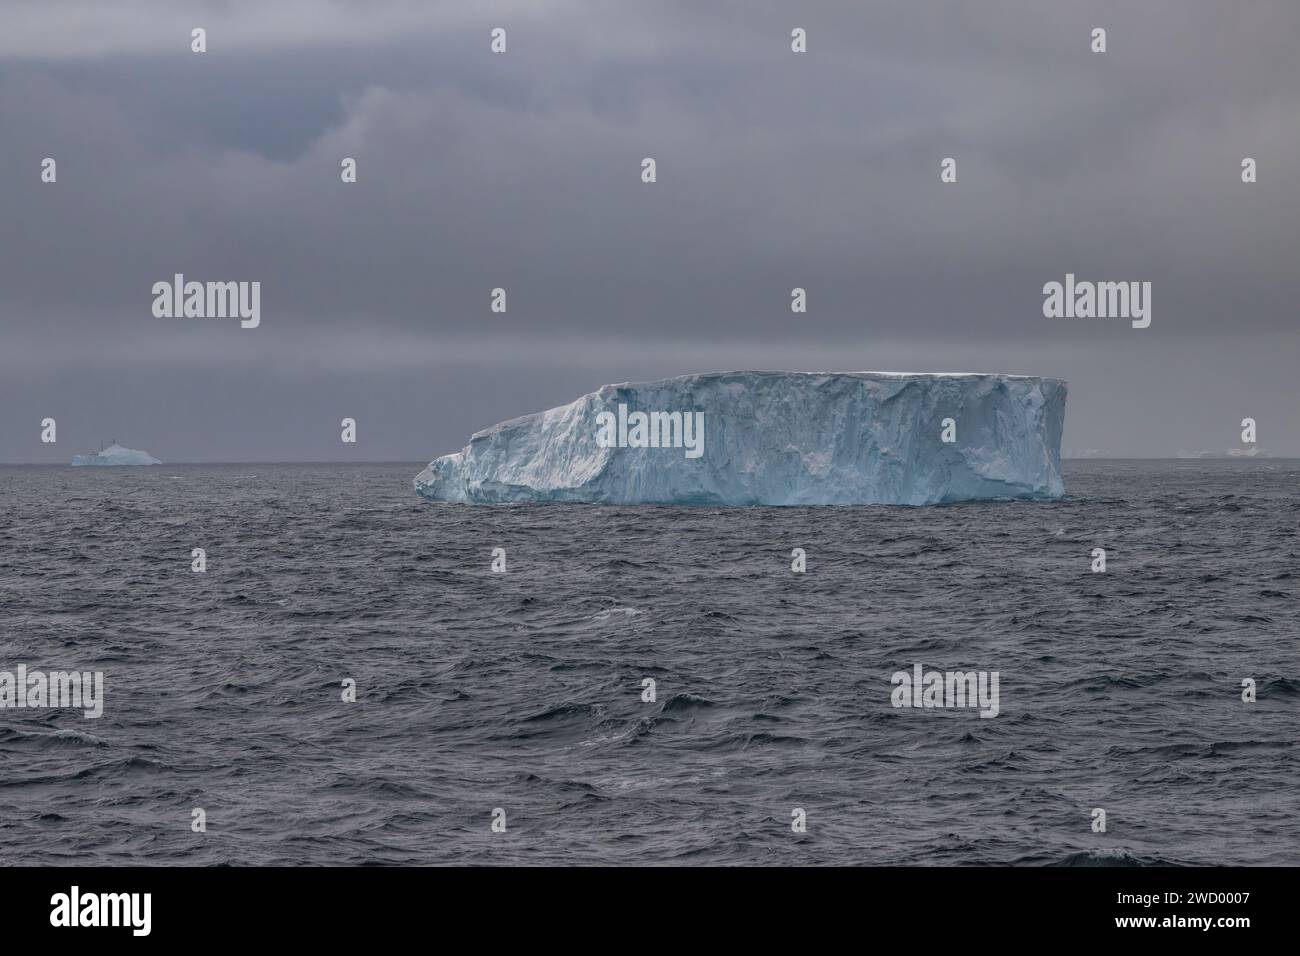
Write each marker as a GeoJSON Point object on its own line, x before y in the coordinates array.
{"type": "Point", "coordinates": [522, 690]}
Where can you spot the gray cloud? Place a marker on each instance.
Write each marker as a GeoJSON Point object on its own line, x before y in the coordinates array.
{"type": "Point", "coordinates": [522, 171]}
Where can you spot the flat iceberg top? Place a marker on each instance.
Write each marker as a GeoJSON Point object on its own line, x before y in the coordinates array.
{"type": "Point", "coordinates": [773, 438]}
{"type": "Point", "coordinates": [871, 376]}
{"type": "Point", "coordinates": [116, 454]}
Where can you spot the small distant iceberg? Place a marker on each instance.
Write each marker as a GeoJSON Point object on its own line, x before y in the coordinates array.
{"type": "Point", "coordinates": [115, 454]}
{"type": "Point", "coordinates": [1255, 452]}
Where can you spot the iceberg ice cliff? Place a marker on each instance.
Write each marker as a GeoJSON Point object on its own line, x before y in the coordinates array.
{"type": "Point", "coordinates": [772, 438]}
{"type": "Point", "coordinates": [115, 454]}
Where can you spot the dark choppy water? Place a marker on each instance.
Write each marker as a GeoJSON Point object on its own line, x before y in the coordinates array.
{"type": "Point", "coordinates": [523, 690]}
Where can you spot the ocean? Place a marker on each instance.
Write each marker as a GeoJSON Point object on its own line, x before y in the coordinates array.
{"type": "Point", "coordinates": [505, 718]}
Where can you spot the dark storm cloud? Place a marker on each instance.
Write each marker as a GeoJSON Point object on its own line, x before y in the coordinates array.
{"type": "Point", "coordinates": [522, 171]}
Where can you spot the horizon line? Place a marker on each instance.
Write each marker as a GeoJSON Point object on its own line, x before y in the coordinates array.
{"type": "Point", "coordinates": [425, 461]}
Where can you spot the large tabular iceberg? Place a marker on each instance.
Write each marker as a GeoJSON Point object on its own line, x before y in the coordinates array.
{"type": "Point", "coordinates": [115, 454]}
{"type": "Point", "coordinates": [773, 438]}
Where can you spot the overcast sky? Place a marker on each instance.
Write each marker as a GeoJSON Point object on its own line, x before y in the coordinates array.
{"type": "Point", "coordinates": [523, 170]}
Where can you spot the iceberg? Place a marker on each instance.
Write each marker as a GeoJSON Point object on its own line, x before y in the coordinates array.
{"type": "Point", "coordinates": [1256, 452]}
{"type": "Point", "coordinates": [773, 438]}
{"type": "Point", "coordinates": [115, 454]}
